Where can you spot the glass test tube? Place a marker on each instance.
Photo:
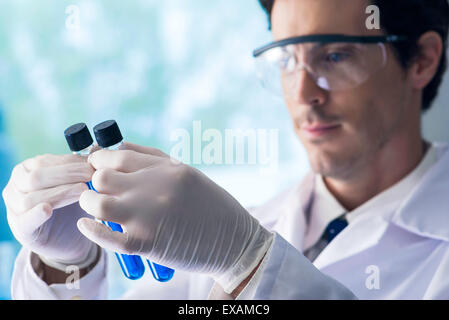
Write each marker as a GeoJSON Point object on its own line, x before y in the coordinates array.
{"type": "Point", "coordinates": [80, 142]}
{"type": "Point", "coordinates": [109, 137]}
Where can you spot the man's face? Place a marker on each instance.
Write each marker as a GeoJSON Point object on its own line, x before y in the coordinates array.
{"type": "Point", "coordinates": [360, 121]}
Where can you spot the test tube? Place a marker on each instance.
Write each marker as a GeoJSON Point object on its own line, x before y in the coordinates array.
{"type": "Point", "coordinates": [80, 142]}
{"type": "Point", "coordinates": [109, 137]}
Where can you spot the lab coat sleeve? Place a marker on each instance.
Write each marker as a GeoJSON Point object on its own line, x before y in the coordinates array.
{"type": "Point", "coordinates": [286, 274]}
{"type": "Point", "coordinates": [27, 285]}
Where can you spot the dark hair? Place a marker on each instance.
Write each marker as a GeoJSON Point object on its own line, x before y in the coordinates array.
{"type": "Point", "coordinates": [411, 18]}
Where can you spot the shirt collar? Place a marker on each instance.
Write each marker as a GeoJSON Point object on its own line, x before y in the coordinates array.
{"type": "Point", "coordinates": [323, 210]}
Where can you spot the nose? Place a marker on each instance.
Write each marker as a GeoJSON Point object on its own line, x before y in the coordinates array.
{"type": "Point", "coordinates": [305, 90]}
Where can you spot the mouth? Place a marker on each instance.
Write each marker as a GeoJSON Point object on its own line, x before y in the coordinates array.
{"type": "Point", "coordinates": [320, 130]}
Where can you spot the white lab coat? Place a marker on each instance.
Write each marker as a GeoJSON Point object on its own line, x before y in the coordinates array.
{"type": "Point", "coordinates": [398, 250]}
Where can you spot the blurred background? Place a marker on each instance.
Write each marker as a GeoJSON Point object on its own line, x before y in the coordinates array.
{"type": "Point", "coordinates": [154, 66]}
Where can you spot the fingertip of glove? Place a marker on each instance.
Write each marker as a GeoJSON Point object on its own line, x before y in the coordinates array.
{"type": "Point", "coordinates": [83, 225]}
{"type": "Point", "coordinates": [91, 159]}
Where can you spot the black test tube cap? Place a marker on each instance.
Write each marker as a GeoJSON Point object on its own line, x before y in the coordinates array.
{"type": "Point", "coordinates": [78, 137]}
{"type": "Point", "coordinates": [107, 133]}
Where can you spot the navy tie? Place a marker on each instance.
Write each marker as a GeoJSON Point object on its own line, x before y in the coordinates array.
{"type": "Point", "coordinates": [334, 228]}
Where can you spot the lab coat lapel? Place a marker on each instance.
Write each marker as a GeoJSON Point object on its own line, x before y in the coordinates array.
{"type": "Point", "coordinates": [291, 224]}
{"type": "Point", "coordinates": [426, 211]}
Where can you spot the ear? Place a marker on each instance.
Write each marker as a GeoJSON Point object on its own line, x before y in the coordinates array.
{"type": "Point", "coordinates": [425, 65]}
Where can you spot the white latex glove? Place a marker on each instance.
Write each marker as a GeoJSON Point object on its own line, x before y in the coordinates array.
{"type": "Point", "coordinates": [41, 198]}
{"type": "Point", "coordinates": [173, 215]}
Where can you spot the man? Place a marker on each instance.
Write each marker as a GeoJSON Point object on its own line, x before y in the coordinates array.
{"type": "Point", "coordinates": [370, 222]}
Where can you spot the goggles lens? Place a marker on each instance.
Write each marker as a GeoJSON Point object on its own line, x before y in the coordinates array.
{"type": "Point", "coordinates": [333, 66]}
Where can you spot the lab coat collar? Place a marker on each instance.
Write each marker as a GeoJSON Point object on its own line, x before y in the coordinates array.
{"type": "Point", "coordinates": [422, 212]}
{"type": "Point", "coordinates": [426, 209]}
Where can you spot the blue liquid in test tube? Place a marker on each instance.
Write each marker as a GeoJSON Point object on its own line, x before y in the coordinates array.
{"type": "Point", "coordinates": [109, 137]}
{"type": "Point", "coordinates": [80, 142]}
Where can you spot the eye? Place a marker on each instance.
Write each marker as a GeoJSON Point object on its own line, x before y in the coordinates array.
{"type": "Point", "coordinates": [336, 57]}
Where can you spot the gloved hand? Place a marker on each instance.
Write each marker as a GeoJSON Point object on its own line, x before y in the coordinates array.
{"type": "Point", "coordinates": [173, 215]}
{"type": "Point", "coordinates": [41, 198]}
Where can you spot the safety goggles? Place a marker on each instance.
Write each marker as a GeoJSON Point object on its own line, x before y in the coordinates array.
{"type": "Point", "coordinates": [334, 62]}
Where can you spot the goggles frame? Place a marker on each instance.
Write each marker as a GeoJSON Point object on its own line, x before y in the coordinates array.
{"type": "Point", "coordinates": [329, 38]}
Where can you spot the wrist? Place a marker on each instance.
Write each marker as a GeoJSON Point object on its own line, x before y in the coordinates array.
{"type": "Point", "coordinates": [51, 275]}
{"type": "Point", "coordinates": [235, 279]}
{"type": "Point", "coordinates": [85, 261]}
{"type": "Point", "coordinates": [236, 292]}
